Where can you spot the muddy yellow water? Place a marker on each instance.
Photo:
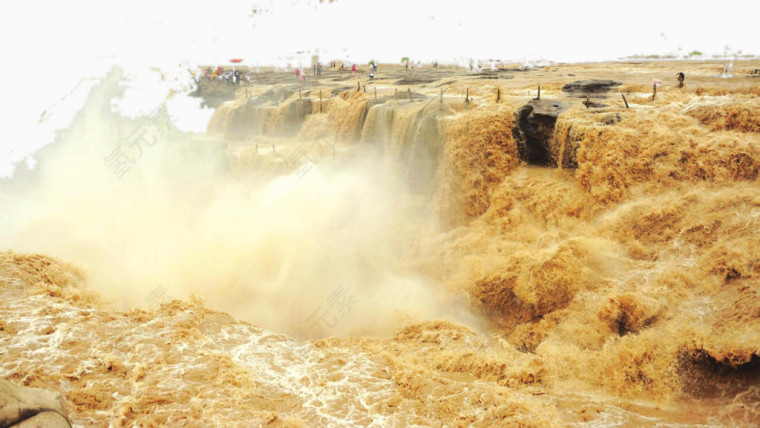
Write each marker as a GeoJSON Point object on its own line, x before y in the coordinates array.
{"type": "Point", "coordinates": [397, 263]}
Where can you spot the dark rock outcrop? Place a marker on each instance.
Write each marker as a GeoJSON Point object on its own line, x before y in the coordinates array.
{"type": "Point", "coordinates": [593, 104]}
{"type": "Point", "coordinates": [414, 81]}
{"type": "Point", "coordinates": [590, 86]}
{"type": "Point", "coordinates": [30, 407]}
{"type": "Point", "coordinates": [493, 74]}
{"type": "Point", "coordinates": [214, 93]}
{"type": "Point", "coordinates": [533, 131]}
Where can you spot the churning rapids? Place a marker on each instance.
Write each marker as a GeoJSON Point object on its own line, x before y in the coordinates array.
{"type": "Point", "coordinates": [330, 255]}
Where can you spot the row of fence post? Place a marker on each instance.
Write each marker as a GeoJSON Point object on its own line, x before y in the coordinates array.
{"type": "Point", "coordinates": [466, 99]}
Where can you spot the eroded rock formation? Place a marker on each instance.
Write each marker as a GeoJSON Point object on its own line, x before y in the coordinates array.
{"type": "Point", "coordinates": [30, 407]}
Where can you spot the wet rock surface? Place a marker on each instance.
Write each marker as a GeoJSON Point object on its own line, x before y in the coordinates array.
{"type": "Point", "coordinates": [534, 127]}
{"type": "Point", "coordinates": [414, 81]}
{"type": "Point", "coordinates": [215, 93]}
{"type": "Point", "coordinates": [30, 407]}
{"type": "Point", "coordinates": [594, 86]}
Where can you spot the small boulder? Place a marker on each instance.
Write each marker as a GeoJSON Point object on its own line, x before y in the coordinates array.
{"type": "Point", "coordinates": [22, 407]}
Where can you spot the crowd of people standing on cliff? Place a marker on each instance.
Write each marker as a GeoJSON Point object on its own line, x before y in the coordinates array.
{"type": "Point", "coordinates": [317, 69]}
{"type": "Point", "coordinates": [229, 77]}
{"type": "Point", "coordinates": [235, 77]}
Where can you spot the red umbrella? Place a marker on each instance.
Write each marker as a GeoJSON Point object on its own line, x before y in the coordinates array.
{"type": "Point", "coordinates": [236, 60]}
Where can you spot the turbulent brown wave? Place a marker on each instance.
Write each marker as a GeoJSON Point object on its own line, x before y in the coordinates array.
{"type": "Point", "coordinates": [479, 153]}
{"type": "Point", "coordinates": [625, 291]}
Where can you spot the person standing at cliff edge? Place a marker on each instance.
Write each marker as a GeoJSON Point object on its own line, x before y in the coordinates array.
{"type": "Point", "coordinates": [681, 78]}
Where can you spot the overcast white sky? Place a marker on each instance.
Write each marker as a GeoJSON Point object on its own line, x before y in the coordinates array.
{"type": "Point", "coordinates": [63, 41]}
{"type": "Point", "coordinates": [388, 29]}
